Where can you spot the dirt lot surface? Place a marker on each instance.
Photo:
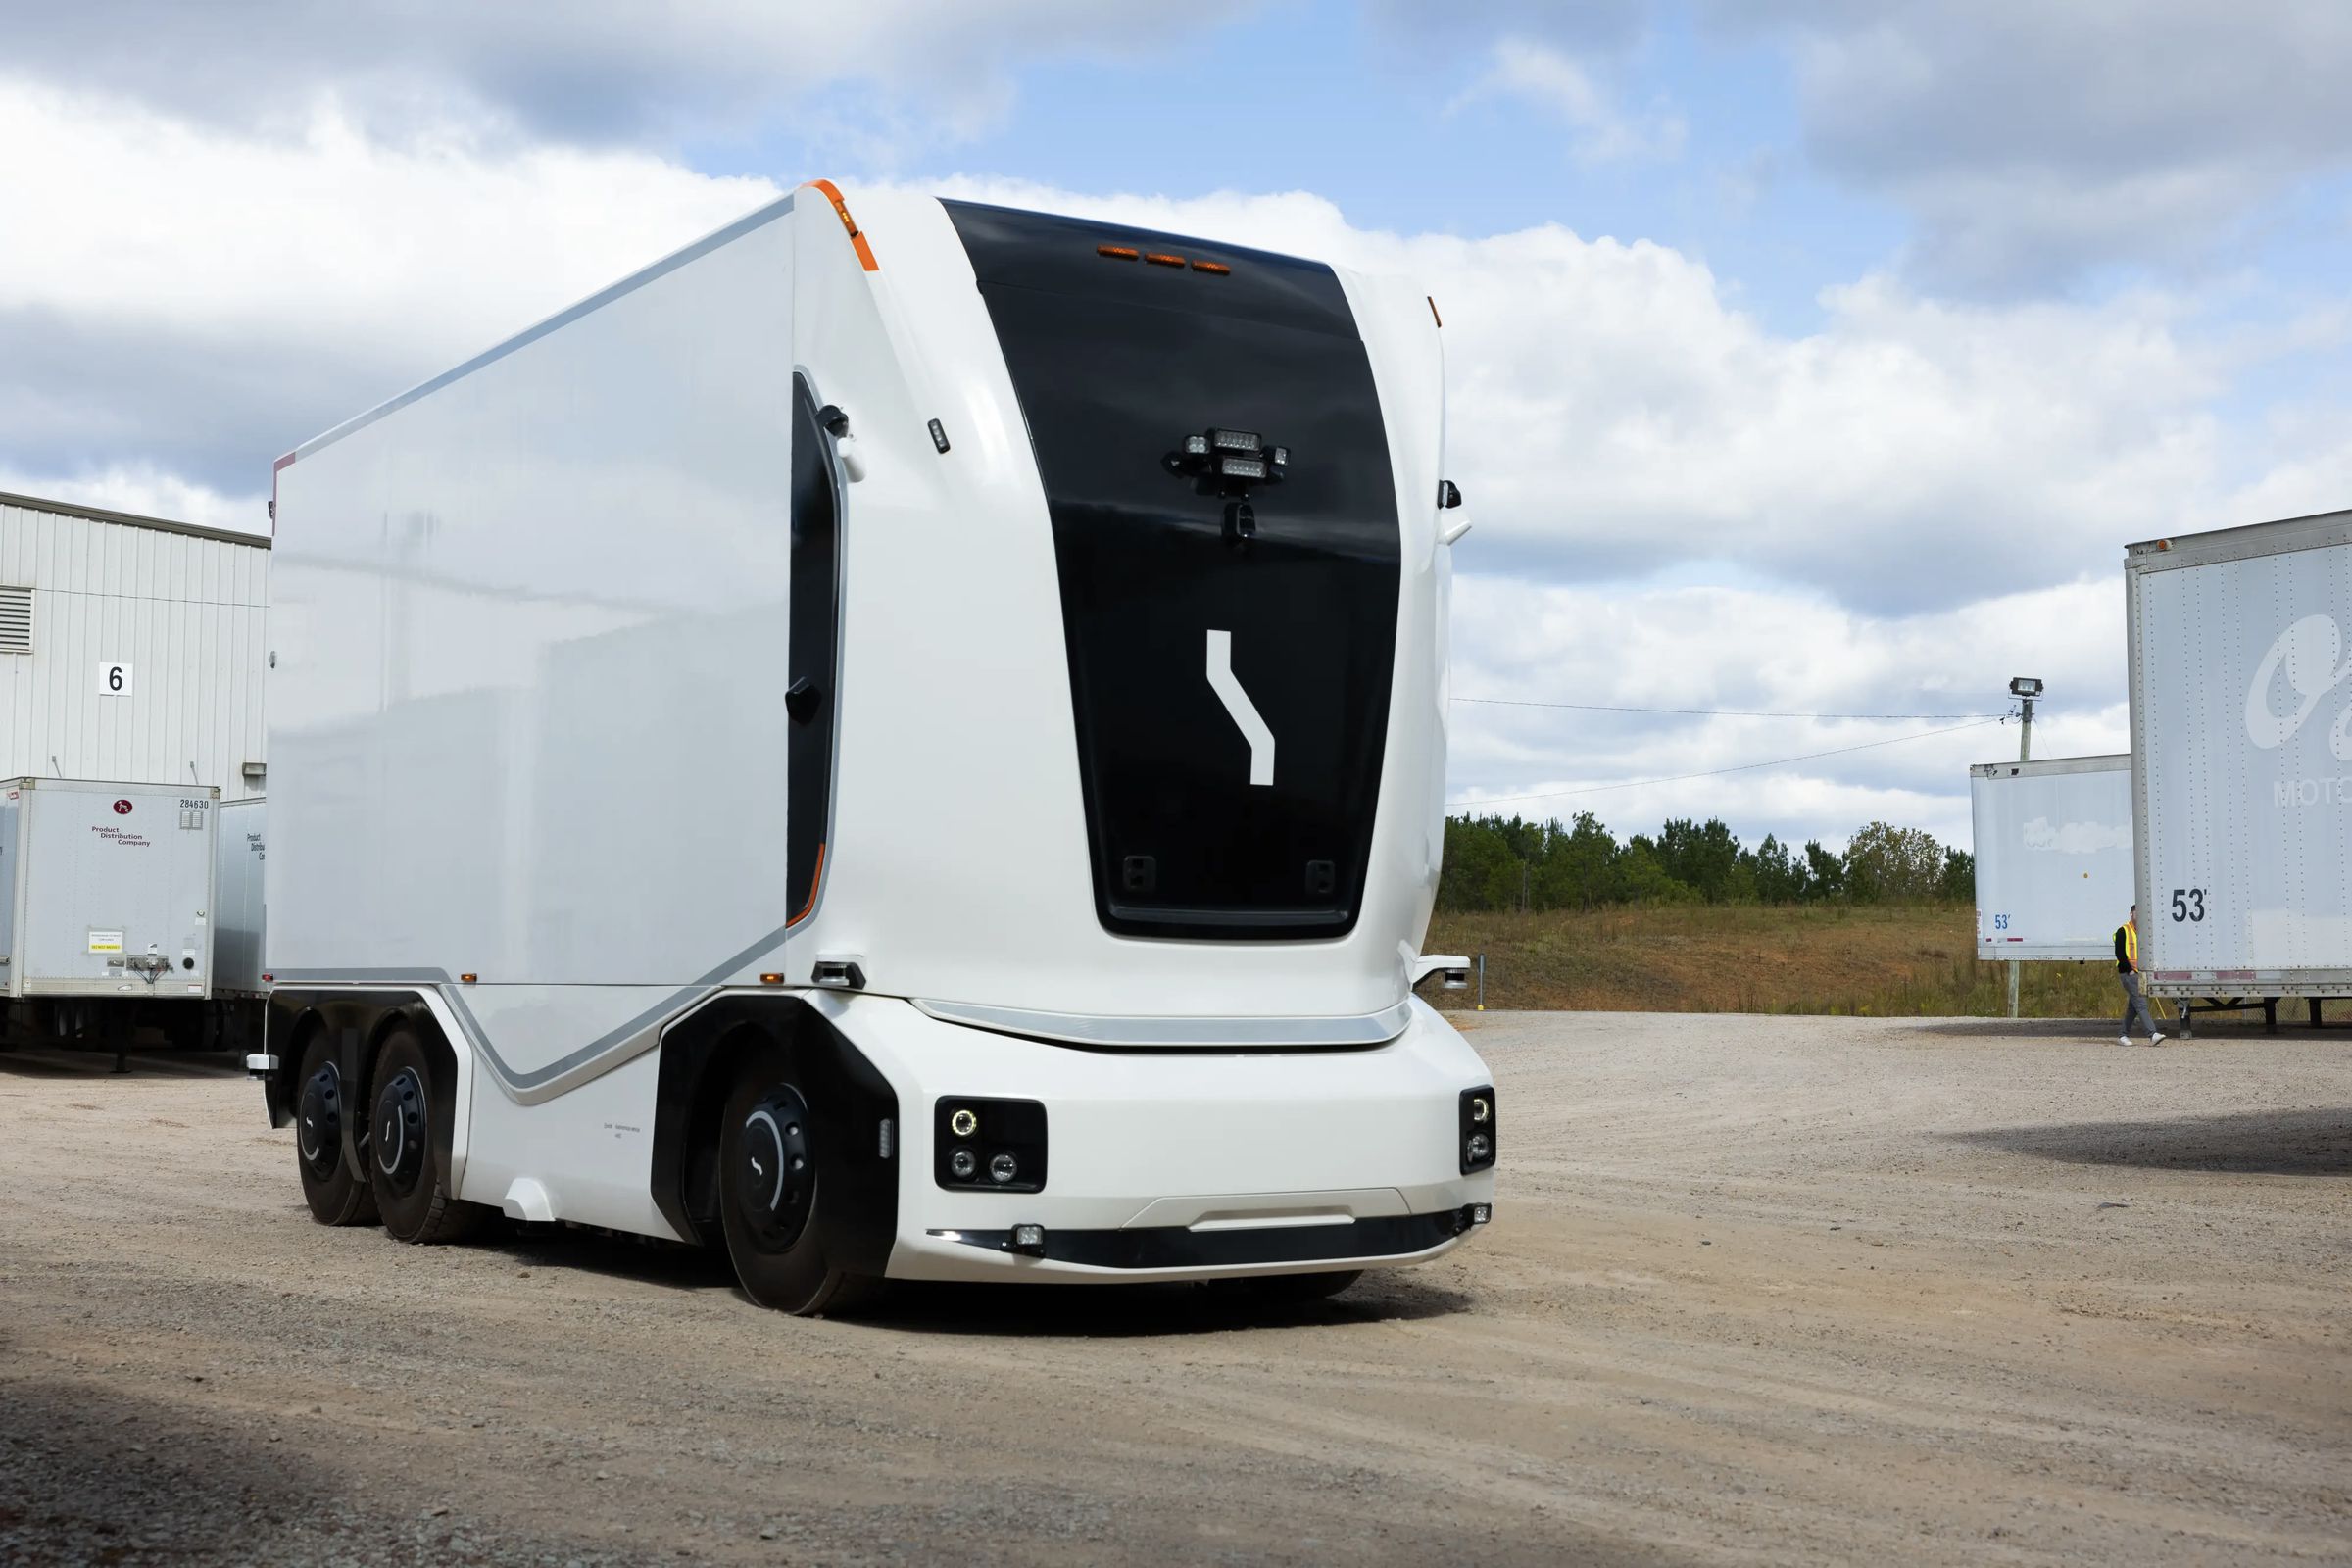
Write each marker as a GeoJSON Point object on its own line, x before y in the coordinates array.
{"type": "Point", "coordinates": [1758, 1289]}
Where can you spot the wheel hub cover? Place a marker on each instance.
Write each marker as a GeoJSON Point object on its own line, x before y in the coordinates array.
{"type": "Point", "coordinates": [774, 1176]}
{"type": "Point", "coordinates": [318, 1121]}
{"type": "Point", "coordinates": [400, 1131]}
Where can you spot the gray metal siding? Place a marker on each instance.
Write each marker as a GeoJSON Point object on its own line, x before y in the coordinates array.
{"type": "Point", "coordinates": [187, 611]}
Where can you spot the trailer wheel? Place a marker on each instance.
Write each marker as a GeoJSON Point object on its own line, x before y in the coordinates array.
{"type": "Point", "coordinates": [770, 1194]}
{"type": "Point", "coordinates": [407, 1165]}
{"type": "Point", "coordinates": [322, 1104]}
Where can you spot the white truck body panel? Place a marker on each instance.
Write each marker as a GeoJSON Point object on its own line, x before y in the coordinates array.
{"type": "Point", "coordinates": [2242, 747]}
{"type": "Point", "coordinates": [107, 878]}
{"type": "Point", "coordinates": [2053, 848]}
{"type": "Point", "coordinates": [529, 758]}
{"type": "Point", "coordinates": [238, 853]}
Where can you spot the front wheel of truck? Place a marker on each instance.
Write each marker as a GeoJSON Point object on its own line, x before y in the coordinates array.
{"type": "Point", "coordinates": [770, 1196]}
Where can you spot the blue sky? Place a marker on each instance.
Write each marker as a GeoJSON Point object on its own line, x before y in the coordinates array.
{"type": "Point", "coordinates": [1804, 354]}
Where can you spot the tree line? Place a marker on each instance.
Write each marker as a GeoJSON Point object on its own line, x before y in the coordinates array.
{"type": "Point", "coordinates": [1496, 863]}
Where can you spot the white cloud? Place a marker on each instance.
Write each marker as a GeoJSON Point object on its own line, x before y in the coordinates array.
{"type": "Point", "coordinates": [1603, 131]}
{"type": "Point", "coordinates": [592, 71]}
{"type": "Point", "coordinates": [2034, 141]}
{"type": "Point", "coordinates": [143, 491]}
{"type": "Point", "coordinates": [1766, 651]}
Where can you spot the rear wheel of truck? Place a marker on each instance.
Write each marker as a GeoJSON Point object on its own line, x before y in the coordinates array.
{"type": "Point", "coordinates": [408, 1164]}
{"type": "Point", "coordinates": [770, 1194]}
{"type": "Point", "coordinates": [322, 1104]}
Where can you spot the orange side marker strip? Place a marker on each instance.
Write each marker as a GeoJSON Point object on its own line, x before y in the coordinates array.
{"type": "Point", "coordinates": [815, 881]}
{"type": "Point", "coordinates": [865, 252]}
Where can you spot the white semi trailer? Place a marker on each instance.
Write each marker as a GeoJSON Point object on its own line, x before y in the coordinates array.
{"type": "Point", "coordinates": [105, 912]}
{"type": "Point", "coordinates": [2053, 852]}
{"type": "Point", "coordinates": [238, 849]}
{"type": "Point", "coordinates": [2241, 750]}
{"type": "Point", "coordinates": [906, 746]}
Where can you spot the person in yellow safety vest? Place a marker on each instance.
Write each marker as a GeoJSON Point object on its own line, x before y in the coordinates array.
{"type": "Point", "coordinates": [2126, 969]}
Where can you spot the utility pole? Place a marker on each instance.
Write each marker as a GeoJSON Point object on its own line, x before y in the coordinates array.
{"type": "Point", "coordinates": [2025, 688]}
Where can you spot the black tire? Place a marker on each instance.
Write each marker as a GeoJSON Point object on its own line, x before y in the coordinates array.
{"type": "Point", "coordinates": [1296, 1289]}
{"type": "Point", "coordinates": [408, 1142]}
{"type": "Point", "coordinates": [321, 1105]}
{"type": "Point", "coordinates": [770, 1194]}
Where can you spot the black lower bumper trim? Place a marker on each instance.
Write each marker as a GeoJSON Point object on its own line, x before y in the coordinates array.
{"type": "Point", "coordinates": [1176, 1246]}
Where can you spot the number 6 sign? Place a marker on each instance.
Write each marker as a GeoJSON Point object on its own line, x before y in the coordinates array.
{"type": "Point", "coordinates": [114, 680]}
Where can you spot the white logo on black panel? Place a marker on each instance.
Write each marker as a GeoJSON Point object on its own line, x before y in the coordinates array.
{"type": "Point", "coordinates": [1228, 687]}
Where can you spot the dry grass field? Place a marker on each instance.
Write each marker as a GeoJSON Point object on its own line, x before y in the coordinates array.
{"type": "Point", "coordinates": [1812, 958]}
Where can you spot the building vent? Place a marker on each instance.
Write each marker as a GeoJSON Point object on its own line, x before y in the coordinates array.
{"type": "Point", "coordinates": [15, 620]}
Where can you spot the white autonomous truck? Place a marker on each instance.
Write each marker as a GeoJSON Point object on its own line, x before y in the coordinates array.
{"type": "Point", "coordinates": [907, 745]}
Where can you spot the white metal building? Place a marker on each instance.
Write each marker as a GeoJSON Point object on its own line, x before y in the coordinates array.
{"type": "Point", "coordinates": [130, 648]}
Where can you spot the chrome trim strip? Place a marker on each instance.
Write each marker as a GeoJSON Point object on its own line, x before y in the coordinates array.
{"type": "Point", "coordinates": [597, 1058]}
{"type": "Point", "coordinates": [1078, 1029]}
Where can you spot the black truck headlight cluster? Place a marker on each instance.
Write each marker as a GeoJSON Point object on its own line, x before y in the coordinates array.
{"type": "Point", "coordinates": [996, 1145]}
{"type": "Point", "coordinates": [1478, 1132]}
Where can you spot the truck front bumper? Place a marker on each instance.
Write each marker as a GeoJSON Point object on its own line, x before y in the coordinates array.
{"type": "Point", "coordinates": [1172, 1166]}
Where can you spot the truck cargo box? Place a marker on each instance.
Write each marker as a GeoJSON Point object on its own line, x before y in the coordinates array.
{"type": "Point", "coordinates": [2053, 848]}
{"type": "Point", "coordinates": [106, 889]}
{"type": "Point", "coordinates": [2242, 749]}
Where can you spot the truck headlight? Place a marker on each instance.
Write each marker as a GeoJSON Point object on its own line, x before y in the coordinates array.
{"type": "Point", "coordinates": [1478, 1132]}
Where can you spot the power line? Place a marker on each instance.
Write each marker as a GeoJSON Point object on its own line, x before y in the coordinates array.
{"type": "Point", "coordinates": [1713, 772]}
{"type": "Point", "coordinates": [1716, 712]}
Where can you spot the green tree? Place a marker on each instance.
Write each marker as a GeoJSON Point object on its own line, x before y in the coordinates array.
{"type": "Point", "coordinates": [1959, 881]}
{"type": "Point", "coordinates": [1578, 867]}
{"type": "Point", "coordinates": [1890, 864]}
{"type": "Point", "coordinates": [1824, 873]}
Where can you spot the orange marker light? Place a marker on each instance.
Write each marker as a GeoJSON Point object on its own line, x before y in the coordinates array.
{"type": "Point", "coordinates": [772, 979]}
{"type": "Point", "coordinates": [1118, 253]}
{"type": "Point", "coordinates": [468, 979]}
{"type": "Point", "coordinates": [1162, 259]}
{"type": "Point", "coordinates": [1218, 267]}
{"type": "Point", "coordinates": [865, 252]}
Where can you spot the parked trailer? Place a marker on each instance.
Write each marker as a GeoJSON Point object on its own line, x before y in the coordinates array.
{"type": "Point", "coordinates": [106, 892]}
{"type": "Point", "coordinates": [2053, 851]}
{"type": "Point", "coordinates": [2241, 749]}
{"type": "Point", "coordinates": [908, 746]}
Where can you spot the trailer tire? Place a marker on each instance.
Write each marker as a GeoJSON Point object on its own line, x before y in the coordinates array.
{"type": "Point", "coordinates": [321, 1105]}
{"type": "Point", "coordinates": [770, 1191]}
{"type": "Point", "coordinates": [408, 1148]}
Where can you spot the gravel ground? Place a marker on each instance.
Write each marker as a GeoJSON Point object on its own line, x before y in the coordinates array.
{"type": "Point", "coordinates": [1759, 1290]}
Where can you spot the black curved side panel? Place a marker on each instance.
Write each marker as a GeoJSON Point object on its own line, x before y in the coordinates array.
{"type": "Point", "coordinates": [1115, 361]}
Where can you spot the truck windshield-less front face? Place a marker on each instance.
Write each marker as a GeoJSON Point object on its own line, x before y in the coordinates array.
{"type": "Point", "coordinates": [1225, 529]}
